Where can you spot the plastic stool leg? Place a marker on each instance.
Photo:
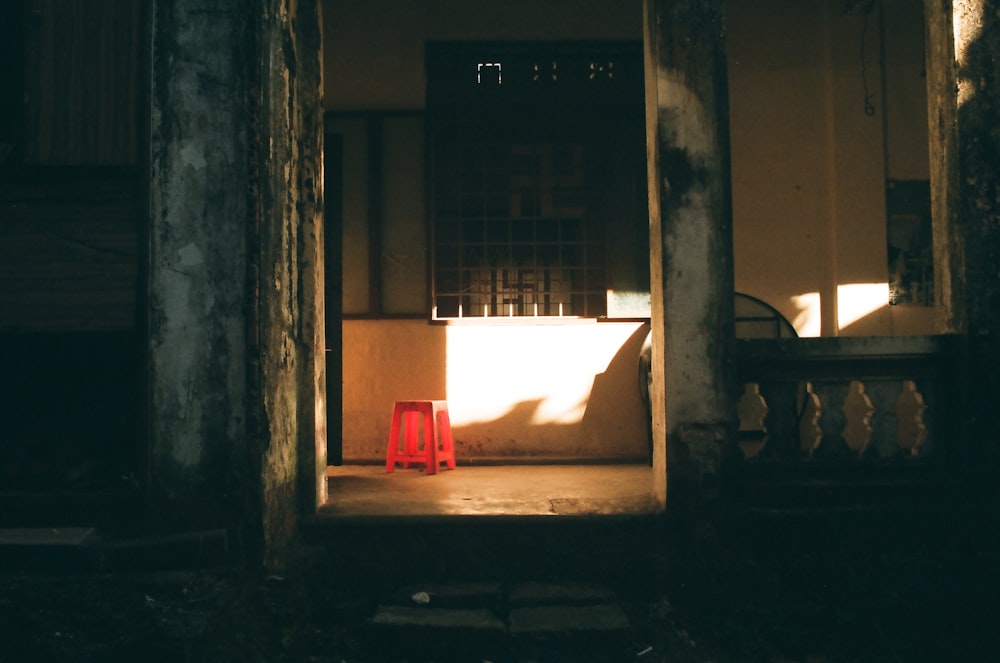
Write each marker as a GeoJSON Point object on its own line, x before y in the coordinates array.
{"type": "Point", "coordinates": [390, 456]}
{"type": "Point", "coordinates": [411, 450]}
{"type": "Point", "coordinates": [447, 442]}
{"type": "Point", "coordinates": [430, 442]}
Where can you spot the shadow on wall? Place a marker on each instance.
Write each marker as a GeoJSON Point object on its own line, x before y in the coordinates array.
{"type": "Point", "coordinates": [608, 400]}
{"type": "Point", "coordinates": [611, 428]}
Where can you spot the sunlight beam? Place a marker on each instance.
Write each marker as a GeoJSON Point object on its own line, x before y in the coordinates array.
{"type": "Point", "coordinates": [857, 300]}
{"type": "Point", "coordinates": [492, 369]}
{"type": "Point", "coordinates": [807, 320]}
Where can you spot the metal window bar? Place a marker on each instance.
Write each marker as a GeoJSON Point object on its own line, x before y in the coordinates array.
{"type": "Point", "coordinates": [511, 236]}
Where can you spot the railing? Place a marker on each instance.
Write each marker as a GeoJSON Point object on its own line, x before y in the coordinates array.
{"type": "Point", "coordinates": [844, 407]}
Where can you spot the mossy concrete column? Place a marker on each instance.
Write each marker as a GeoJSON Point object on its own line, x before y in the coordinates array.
{"type": "Point", "coordinates": [690, 245]}
{"type": "Point", "coordinates": [290, 304]}
{"type": "Point", "coordinates": [963, 83]}
{"type": "Point", "coordinates": [236, 382]}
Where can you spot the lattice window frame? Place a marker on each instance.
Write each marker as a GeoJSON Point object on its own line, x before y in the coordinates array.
{"type": "Point", "coordinates": [519, 215]}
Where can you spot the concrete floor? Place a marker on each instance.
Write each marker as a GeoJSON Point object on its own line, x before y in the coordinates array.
{"type": "Point", "coordinates": [506, 490]}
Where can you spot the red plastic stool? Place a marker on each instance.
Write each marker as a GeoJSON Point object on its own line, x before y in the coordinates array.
{"type": "Point", "coordinates": [435, 450]}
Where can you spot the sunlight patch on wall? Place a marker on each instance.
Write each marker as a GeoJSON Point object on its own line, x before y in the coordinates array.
{"type": "Point", "coordinates": [492, 369]}
{"type": "Point", "coordinates": [808, 316]}
{"type": "Point", "coordinates": [856, 300]}
{"type": "Point", "coordinates": [628, 303]}
{"type": "Point", "coordinates": [968, 23]}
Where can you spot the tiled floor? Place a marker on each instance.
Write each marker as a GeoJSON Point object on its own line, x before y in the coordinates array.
{"type": "Point", "coordinates": [507, 490]}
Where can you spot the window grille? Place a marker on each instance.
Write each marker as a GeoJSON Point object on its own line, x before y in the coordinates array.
{"type": "Point", "coordinates": [512, 233]}
{"type": "Point", "coordinates": [520, 196]}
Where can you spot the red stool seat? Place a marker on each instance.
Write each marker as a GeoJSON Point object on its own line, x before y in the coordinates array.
{"type": "Point", "coordinates": [438, 446]}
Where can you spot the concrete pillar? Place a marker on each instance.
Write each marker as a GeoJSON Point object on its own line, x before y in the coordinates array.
{"type": "Point", "coordinates": [199, 235]}
{"type": "Point", "coordinates": [964, 99]}
{"type": "Point", "coordinates": [963, 84]}
{"type": "Point", "coordinates": [235, 314]}
{"type": "Point", "coordinates": [690, 245]}
{"type": "Point", "coordinates": [290, 303]}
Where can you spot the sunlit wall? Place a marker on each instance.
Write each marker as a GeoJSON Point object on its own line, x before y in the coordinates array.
{"type": "Point", "coordinates": [828, 103]}
{"type": "Point", "coordinates": [514, 391]}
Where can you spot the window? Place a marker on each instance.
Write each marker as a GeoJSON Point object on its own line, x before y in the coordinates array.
{"type": "Point", "coordinates": [537, 168]}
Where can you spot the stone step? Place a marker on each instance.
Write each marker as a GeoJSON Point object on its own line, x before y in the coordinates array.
{"type": "Point", "coordinates": [534, 593]}
{"type": "Point", "coordinates": [62, 548]}
{"type": "Point", "coordinates": [533, 621]}
{"type": "Point", "coordinates": [404, 633]}
{"type": "Point", "coordinates": [488, 595]}
{"type": "Point", "coordinates": [557, 620]}
{"type": "Point", "coordinates": [83, 549]}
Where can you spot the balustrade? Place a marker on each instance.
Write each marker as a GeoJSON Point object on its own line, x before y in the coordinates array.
{"type": "Point", "coordinates": [844, 399]}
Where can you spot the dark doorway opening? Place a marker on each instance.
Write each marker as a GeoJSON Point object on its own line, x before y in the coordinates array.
{"type": "Point", "coordinates": [333, 264]}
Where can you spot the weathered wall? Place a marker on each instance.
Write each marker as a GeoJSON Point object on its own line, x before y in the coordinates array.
{"type": "Point", "coordinates": [691, 240]}
{"type": "Point", "coordinates": [198, 254]}
{"type": "Point", "coordinates": [290, 313]}
{"type": "Point", "coordinates": [236, 314]}
{"type": "Point", "coordinates": [963, 48]}
{"type": "Point", "coordinates": [977, 46]}
{"type": "Point", "coordinates": [979, 214]}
